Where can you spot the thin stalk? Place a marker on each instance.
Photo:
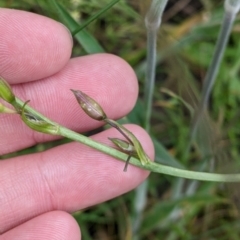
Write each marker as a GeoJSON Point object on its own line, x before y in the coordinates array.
{"type": "Point", "coordinates": [152, 21]}
{"type": "Point", "coordinates": [141, 190]}
{"type": "Point", "coordinates": [140, 202]}
{"type": "Point", "coordinates": [153, 167]}
{"type": "Point", "coordinates": [150, 75]}
{"type": "Point", "coordinates": [231, 10]}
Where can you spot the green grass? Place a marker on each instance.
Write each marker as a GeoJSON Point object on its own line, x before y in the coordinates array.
{"type": "Point", "coordinates": [176, 208]}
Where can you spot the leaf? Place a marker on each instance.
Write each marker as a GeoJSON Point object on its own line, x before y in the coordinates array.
{"type": "Point", "coordinates": [95, 16]}
{"type": "Point", "coordinates": [87, 41]}
{"type": "Point", "coordinates": [163, 156]}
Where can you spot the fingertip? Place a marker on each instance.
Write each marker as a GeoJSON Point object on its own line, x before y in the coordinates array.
{"type": "Point", "coordinates": [51, 225]}
{"type": "Point", "coordinates": [31, 46]}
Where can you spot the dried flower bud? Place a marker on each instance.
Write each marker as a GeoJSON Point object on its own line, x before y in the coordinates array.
{"type": "Point", "coordinates": [125, 147]}
{"type": "Point", "coordinates": [141, 155]}
{"type": "Point", "coordinates": [6, 92]}
{"type": "Point", "coordinates": [37, 123]}
{"type": "Point", "coordinates": [4, 109]}
{"type": "Point", "coordinates": [89, 106]}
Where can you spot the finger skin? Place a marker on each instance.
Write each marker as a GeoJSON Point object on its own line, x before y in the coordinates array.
{"type": "Point", "coordinates": [31, 46]}
{"type": "Point", "coordinates": [68, 178]}
{"type": "Point", "coordinates": [54, 225]}
{"type": "Point", "coordinates": [72, 176]}
{"type": "Point", "coordinates": [105, 77]}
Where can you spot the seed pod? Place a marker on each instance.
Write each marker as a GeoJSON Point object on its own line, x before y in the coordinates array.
{"type": "Point", "coordinates": [141, 155]}
{"type": "Point", "coordinates": [36, 123]}
{"type": "Point", "coordinates": [126, 147]}
{"type": "Point", "coordinates": [89, 106]}
{"type": "Point", "coordinates": [6, 92]}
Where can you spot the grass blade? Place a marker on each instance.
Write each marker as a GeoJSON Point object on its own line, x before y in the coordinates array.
{"type": "Point", "coordinates": [87, 41]}
{"type": "Point", "coordinates": [95, 16]}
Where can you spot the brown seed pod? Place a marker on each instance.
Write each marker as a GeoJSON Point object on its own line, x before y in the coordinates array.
{"type": "Point", "coordinates": [89, 105]}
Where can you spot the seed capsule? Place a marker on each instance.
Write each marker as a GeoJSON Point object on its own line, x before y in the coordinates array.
{"type": "Point", "coordinates": [126, 147]}
{"type": "Point", "coordinates": [141, 155]}
{"type": "Point", "coordinates": [36, 123]}
{"type": "Point", "coordinates": [89, 106]}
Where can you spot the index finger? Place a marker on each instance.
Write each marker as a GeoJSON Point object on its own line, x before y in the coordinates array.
{"type": "Point", "coordinates": [31, 46]}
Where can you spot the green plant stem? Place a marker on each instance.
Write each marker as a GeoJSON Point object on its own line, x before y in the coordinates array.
{"type": "Point", "coordinates": [152, 21]}
{"type": "Point", "coordinates": [153, 167]}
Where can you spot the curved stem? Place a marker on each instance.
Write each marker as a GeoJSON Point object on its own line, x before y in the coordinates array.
{"type": "Point", "coordinates": [213, 70]}
{"type": "Point", "coordinates": [153, 167]}
{"type": "Point", "coordinates": [150, 75]}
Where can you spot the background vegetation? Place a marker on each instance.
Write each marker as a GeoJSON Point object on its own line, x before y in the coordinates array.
{"type": "Point", "coordinates": [175, 208]}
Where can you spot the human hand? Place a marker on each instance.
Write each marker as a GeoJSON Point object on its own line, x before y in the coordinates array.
{"type": "Point", "coordinates": [38, 191]}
